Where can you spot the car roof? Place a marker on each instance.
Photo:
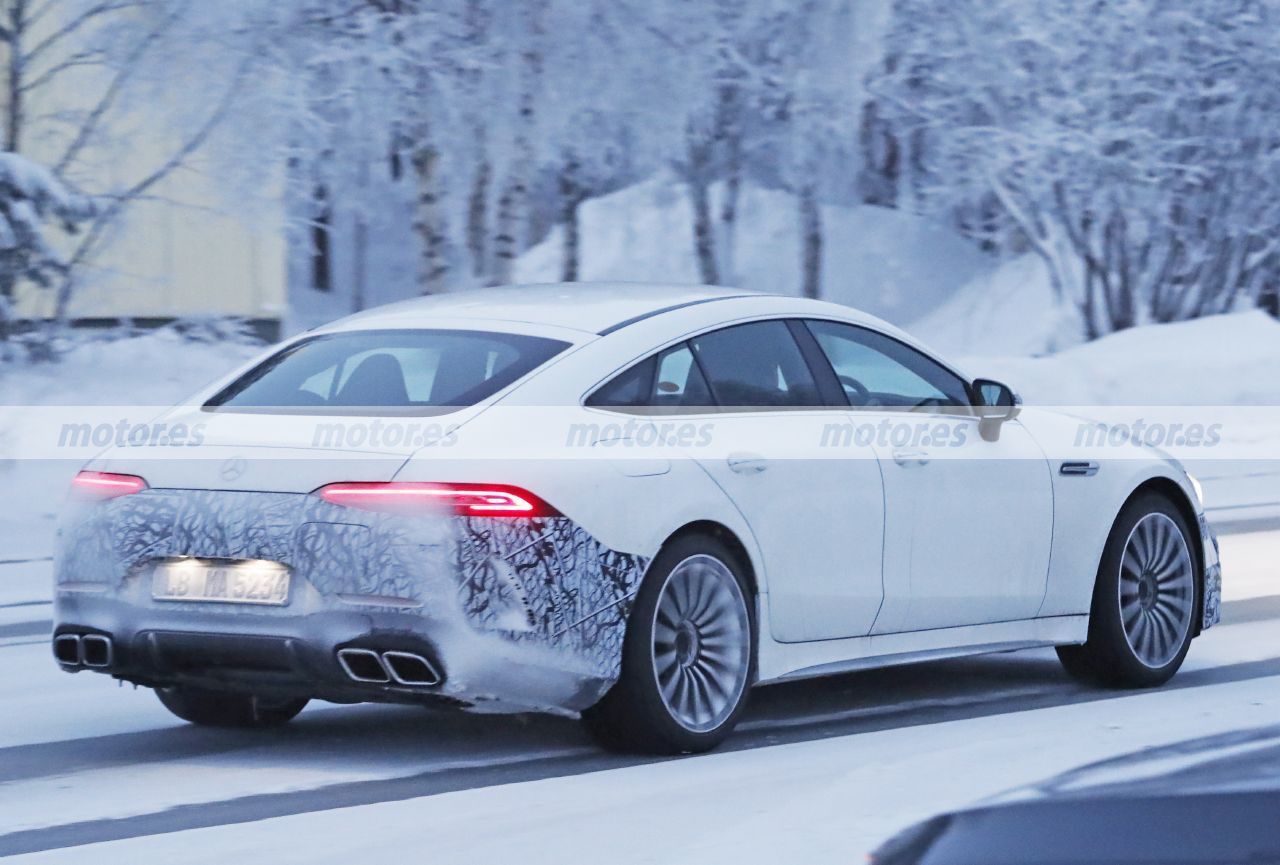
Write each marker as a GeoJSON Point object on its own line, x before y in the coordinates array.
{"type": "Point", "coordinates": [584, 306]}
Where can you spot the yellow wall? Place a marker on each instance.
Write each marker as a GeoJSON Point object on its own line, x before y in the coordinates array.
{"type": "Point", "coordinates": [181, 251]}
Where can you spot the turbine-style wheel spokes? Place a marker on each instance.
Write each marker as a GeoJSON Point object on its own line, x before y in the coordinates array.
{"type": "Point", "coordinates": [1157, 589]}
{"type": "Point", "coordinates": [701, 643]}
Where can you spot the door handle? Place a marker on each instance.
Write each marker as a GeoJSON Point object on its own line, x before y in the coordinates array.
{"type": "Point", "coordinates": [747, 464]}
{"type": "Point", "coordinates": [911, 458]}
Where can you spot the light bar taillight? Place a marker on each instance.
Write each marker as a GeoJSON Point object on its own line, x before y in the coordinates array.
{"type": "Point", "coordinates": [99, 486]}
{"type": "Point", "coordinates": [466, 500]}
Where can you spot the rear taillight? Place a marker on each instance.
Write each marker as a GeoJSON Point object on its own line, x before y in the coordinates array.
{"type": "Point", "coordinates": [98, 486]}
{"type": "Point", "coordinates": [467, 500]}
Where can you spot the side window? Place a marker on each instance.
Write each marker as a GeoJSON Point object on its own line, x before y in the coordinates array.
{"type": "Point", "coordinates": [756, 365]}
{"type": "Point", "coordinates": [670, 379]}
{"type": "Point", "coordinates": [679, 382]}
{"type": "Point", "coordinates": [876, 370]}
{"type": "Point", "coordinates": [630, 388]}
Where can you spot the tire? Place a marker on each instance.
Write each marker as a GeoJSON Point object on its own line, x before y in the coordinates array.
{"type": "Point", "coordinates": [1145, 600]}
{"type": "Point", "coordinates": [228, 708]}
{"type": "Point", "coordinates": [688, 658]}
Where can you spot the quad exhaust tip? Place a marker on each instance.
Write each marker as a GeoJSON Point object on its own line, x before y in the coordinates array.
{"type": "Point", "coordinates": [374, 668]}
{"type": "Point", "coordinates": [410, 669]}
{"type": "Point", "coordinates": [90, 650]}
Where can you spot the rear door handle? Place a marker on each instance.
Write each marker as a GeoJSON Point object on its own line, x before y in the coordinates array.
{"type": "Point", "coordinates": [747, 464]}
{"type": "Point", "coordinates": [911, 458]}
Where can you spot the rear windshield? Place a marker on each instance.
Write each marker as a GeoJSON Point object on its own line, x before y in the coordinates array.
{"type": "Point", "coordinates": [401, 371]}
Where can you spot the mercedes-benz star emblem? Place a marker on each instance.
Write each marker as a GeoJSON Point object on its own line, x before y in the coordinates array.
{"type": "Point", "coordinates": [233, 468]}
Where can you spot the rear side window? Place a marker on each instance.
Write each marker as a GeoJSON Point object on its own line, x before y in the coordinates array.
{"type": "Point", "coordinates": [404, 370]}
{"type": "Point", "coordinates": [756, 365]}
{"type": "Point", "coordinates": [669, 380]}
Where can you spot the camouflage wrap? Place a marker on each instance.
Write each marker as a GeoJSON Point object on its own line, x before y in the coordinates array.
{"type": "Point", "coordinates": [541, 583]}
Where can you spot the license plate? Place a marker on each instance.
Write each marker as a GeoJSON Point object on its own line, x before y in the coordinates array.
{"type": "Point", "coordinates": [246, 581]}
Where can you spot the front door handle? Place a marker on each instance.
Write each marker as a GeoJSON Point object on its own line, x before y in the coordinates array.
{"type": "Point", "coordinates": [911, 458]}
{"type": "Point", "coordinates": [747, 464]}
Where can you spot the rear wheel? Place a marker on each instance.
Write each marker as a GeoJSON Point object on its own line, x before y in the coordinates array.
{"type": "Point", "coordinates": [688, 657]}
{"type": "Point", "coordinates": [228, 708]}
{"type": "Point", "coordinates": [1144, 602]}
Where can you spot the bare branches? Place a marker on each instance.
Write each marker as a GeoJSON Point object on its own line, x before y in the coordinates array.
{"type": "Point", "coordinates": [111, 206]}
{"type": "Point", "coordinates": [77, 23]}
{"type": "Point", "coordinates": [113, 90]}
{"type": "Point", "coordinates": [1134, 151]}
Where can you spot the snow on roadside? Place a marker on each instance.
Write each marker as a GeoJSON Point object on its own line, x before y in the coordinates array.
{"type": "Point", "coordinates": [1007, 310]}
{"type": "Point", "coordinates": [883, 261]}
{"type": "Point", "coordinates": [815, 802]}
{"type": "Point", "coordinates": [1219, 360]}
{"type": "Point", "coordinates": [157, 368]}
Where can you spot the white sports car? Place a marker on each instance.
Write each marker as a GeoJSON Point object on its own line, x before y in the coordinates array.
{"type": "Point", "coordinates": [629, 502]}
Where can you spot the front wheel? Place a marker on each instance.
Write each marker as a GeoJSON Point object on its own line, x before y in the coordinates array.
{"type": "Point", "coordinates": [688, 656]}
{"type": "Point", "coordinates": [1144, 602]}
{"type": "Point", "coordinates": [227, 708]}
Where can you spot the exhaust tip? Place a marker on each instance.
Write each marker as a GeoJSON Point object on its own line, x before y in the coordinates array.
{"type": "Point", "coordinates": [410, 669]}
{"type": "Point", "coordinates": [66, 650]}
{"type": "Point", "coordinates": [95, 650]}
{"type": "Point", "coordinates": [363, 665]}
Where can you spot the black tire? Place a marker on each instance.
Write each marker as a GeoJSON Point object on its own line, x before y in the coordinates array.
{"type": "Point", "coordinates": [1108, 657]}
{"type": "Point", "coordinates": [634, 716]}
{"type": "Point", "coordinates": [228, 708]}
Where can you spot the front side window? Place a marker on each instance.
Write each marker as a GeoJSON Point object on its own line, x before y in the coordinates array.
{"type": "Point", "coordinates": [403, 370]}
{"type": "Point", "coordinates": [876, 370]}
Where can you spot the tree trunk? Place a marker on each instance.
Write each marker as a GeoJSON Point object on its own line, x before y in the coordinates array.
{"type": "Point", "coordinates": [429, 222]}
{"type": "Point", "coordinates": [878, 180]}
{"type": "Point", "coordinates": [811, 241]}
{"type": "Point", "coordinates": [513, 204]}
{"type": "Point", "coordinates": [729, 141]}
{"type": "Point", "coordinates": [571, 196]}
{"type": "Point", "coordinates": [698, 177]}
{"type": "Point", "coordinates": [14, 86]}
{"type": "Point", "coordinates": [728, 243]}
{"type": "Point", "coordinates": [478, 217]}
{"type": "Point", "coordinates": [1269, 296]}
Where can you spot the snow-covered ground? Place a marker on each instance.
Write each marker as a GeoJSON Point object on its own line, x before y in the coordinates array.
{"type": "Point", "coordinates": [820, 772]}
{"type": "Point", "coordinates": [157, 368]}
{"type": "Point", "coordinates": [886, 262]}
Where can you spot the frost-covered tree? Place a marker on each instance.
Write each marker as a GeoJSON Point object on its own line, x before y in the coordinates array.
{"type": "Point", "coordinates": [32, 200]}
{"type": "Point", "coordinates": [1134, 148]}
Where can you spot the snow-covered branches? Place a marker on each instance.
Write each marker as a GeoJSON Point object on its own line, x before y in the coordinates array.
{"type": "Point", "coordinates": [32, 198]}
{"type": "Point", "coordinates": [1135, 148]}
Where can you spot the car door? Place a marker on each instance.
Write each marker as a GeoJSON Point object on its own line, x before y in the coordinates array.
{"type": "Point", "coordinates": [818, 523]}
{"type": "Point", "coordinates": [968, 522]}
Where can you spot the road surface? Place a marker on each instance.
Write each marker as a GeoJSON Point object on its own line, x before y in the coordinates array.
{"type": "Point", "coordinates": [820, 771]}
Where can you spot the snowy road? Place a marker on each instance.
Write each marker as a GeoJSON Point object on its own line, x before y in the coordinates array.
{"type": "Point", "coordinates": [819, 772]}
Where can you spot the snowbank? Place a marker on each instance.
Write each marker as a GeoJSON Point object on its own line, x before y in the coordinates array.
{"type": "Point", "coordinates": [158, 368]}
{"type": "Point", "coordinates": [1220, 360]}
{"type": "Point", "coordinates": [883, 261]}
{"type": "Point", "coordinates": [1008, 310]}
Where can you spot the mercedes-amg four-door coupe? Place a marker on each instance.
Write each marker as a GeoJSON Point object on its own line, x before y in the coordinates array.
{"type": "Point", "coordinates": [632, 503]}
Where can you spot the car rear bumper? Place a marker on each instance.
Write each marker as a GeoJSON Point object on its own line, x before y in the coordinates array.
{"type": "Point", "coordinates": [509, 615]}
{"type": "Point", "coordinates": [298, 655]}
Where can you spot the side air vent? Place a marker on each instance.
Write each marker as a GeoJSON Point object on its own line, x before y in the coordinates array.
{"type": "Point", "coordinates": [1079, 469]}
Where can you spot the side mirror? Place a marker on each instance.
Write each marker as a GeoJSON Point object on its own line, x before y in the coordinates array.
{"type": "Point", "coordinates": [995, 403]}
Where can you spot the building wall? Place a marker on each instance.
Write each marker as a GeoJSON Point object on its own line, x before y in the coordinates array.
{"type": "Point", "coordinates": [189, 249]}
